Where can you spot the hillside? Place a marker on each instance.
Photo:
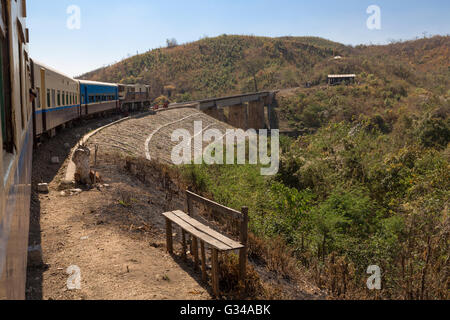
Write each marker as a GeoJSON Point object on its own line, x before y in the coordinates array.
{"type": "Point", "coordinates": [223, 65]}
{"type": "Point", "coordinates": [367, 181]}
{"type": "Point", "coordinates": [230, 64]}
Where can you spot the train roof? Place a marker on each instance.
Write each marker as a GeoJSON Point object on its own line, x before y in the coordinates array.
{"type": "Point", "coordinates": [133, 85]}
{"type": "Point", "coordinates": [98, 83]}
{"type": "Point", "coordinates": [43, 65]}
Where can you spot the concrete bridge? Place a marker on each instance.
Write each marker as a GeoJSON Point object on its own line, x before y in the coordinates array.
{"type": "Point", "coordinates": [245, 111]}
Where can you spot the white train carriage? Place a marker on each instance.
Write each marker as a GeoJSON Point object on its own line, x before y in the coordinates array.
{"type": "Point", "coordinates": [58, 99]}
{"type": "Point", "coordinates": [17, 145]}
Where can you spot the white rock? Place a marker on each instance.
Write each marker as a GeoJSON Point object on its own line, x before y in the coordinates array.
{"type": "Point", "coordinates": [75, 191]}
{"type": "Point", "coordinates": [55, 160]}
{"type": "Point", "coordinates": [43, 187]}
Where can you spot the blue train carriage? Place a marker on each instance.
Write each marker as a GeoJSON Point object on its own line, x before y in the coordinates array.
{"type": "Point", "coordinates": [58, 99]}
{"type": "Point", "coordinates": [98, 97]}
{"type": "Point", "coordinates": [17, 145]}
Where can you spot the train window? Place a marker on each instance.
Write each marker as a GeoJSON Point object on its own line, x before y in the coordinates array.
{"type": "Point", "coordinates": [38, 98]}
{"type": "Point", "coordinates": [67, 98]}
{"type": "Point", "coordinates": [59, 98]}
{"type": "Point", "coordinates": [53, 98]}
{"type": "Point", "coordinates": [5, 98]}
{"type": "Point", "coordinates": [48, 99]}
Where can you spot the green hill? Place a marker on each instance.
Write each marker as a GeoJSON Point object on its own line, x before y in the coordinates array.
{"type": "Point", "coordinates": [223, 65]}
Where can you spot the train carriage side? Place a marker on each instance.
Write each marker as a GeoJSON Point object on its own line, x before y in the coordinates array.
{"type": "Point", "coordinates": [58, 99]}
{"type": "Point", "coordinates": [16, 152]}
{"type": "Point", "coordinates": [134, 96]}
{"type": "Point", "coordinates": [98, 97]}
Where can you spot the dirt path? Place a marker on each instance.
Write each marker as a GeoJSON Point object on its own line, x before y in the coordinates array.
{"type": "Point", "coordinates": [113, 234]}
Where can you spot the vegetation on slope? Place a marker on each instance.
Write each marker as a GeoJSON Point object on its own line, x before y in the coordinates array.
{"type": "Point", "coordinates": [222, 65]}
{"type": "Point", "coordinates": [354, 194]}
{"type": "Point", "coordinates": [367, 183]}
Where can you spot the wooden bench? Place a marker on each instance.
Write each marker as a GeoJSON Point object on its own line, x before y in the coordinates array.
{"type": "Point", "coordinates": [216, 241]}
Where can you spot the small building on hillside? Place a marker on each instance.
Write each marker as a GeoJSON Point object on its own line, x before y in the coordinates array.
{"type": "Point", "coordinates": [335, 79]}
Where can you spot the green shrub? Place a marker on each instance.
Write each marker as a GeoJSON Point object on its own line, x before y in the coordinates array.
{"type": "Point", "coordinates": [435, 133]}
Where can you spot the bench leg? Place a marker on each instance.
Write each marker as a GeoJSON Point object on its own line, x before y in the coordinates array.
{"type": "Point", "coordinates": [215, 272]}
{"type": "Point", "coordinates": [195, 251]}
{"type": "Point", "coordinates": [242, 264]}
{"type": "Point", "coordinates": [169, 237]}
{"type": "Point", "coordinates": [183, 241]}
{"type": "Point", "coordinates": [204, 274]}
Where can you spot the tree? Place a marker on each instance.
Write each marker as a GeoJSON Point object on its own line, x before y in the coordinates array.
{"type": "Point", "coordinates": [253, 63]}
{"type": "Point", "coordinates": [171, 43]}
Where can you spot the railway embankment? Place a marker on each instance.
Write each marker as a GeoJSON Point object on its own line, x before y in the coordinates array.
{"type": "Point", "coordinates": [113, 234]}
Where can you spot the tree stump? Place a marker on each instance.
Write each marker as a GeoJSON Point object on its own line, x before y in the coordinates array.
{"type": "Point", "coordinates": [81, 158]}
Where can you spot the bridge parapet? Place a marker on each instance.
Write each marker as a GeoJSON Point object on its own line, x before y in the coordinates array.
{"type": "Point", "coordinates": [245, 111]}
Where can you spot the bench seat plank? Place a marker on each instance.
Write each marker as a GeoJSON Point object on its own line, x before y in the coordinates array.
{"type": "Point", "coordinates": [201, 231]}
{"type": "Point", "coordinates": [198, 225]}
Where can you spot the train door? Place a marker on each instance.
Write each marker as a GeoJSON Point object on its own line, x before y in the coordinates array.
{"type": "Point", "coordinates": [33, 103]}
{"type": "Point", "coordinates": [86, 99]}
{"type": "Point", "coordinates": [43, 100]}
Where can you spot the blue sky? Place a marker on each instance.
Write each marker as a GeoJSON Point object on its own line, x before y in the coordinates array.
{"type": "Point", "coordinates": [113, 29]}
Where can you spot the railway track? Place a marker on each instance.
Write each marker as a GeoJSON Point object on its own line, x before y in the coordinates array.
{"type": "Point", "coordinates": [151, 135]}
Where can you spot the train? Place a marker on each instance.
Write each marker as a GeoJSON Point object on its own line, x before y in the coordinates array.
{"type": "Point", "coordinates": [35, 101]}
{"type": "Point", "coordinates": [61, 99]}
